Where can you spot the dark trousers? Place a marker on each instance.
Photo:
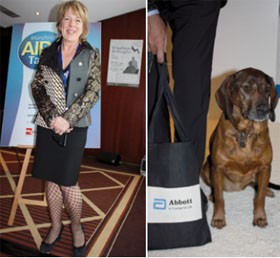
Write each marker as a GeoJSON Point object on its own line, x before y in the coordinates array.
{"type": "Point", "coordinates": [193, 25]}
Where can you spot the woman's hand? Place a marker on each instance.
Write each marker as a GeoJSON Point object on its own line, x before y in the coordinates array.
{"type": "Point", "coordinates": [60, 125]}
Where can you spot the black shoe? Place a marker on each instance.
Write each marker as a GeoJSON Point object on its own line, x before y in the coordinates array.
{"type": "Point", "coordinates": [79, 251]}
{"type": "Point", "coordinates": [46, 248]}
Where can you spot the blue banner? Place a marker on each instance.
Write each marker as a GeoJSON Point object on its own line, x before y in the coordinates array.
{"type": "Point", "coordinates": [27, 43]}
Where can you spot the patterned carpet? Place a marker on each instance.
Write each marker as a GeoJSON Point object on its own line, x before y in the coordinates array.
{"type": "Point", "coordinates": [108, 196]}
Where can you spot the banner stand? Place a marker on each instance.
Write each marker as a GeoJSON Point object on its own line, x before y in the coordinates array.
{"type": "Point", "coordinates": [17, 198]}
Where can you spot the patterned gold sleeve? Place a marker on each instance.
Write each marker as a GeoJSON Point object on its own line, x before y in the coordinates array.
{"type": "Point", "coordinates": [86, 101]}
{"type": "Point", "coordinates": [43, 101]}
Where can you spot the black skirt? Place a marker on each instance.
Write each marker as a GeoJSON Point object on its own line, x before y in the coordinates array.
{"type": "Point", "coordinates": [55, 163]}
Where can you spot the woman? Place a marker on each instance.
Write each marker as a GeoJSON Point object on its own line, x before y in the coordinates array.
{"type": "Point", "coordinates": [66, 86]}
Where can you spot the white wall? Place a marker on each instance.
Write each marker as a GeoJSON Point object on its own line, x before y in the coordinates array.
{"type": "Point", "coordinates": [247, 36]}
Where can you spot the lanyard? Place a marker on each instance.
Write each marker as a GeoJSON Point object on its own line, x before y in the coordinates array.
{"type": "Point", "coordinates": [66, 72]}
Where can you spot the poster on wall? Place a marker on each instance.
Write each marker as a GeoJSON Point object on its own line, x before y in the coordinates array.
{"type": "Point", "coordinates": [124, 62]}
{"type": "Point", "coordinates": [27, 42]}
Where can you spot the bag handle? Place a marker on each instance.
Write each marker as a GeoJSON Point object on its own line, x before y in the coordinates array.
{"type": "Point", "coordinates": [158, 127]}
{"type": "Point", "coordinates": [164, 91]}
{"type": "Point", "coordinates": [181, 131]}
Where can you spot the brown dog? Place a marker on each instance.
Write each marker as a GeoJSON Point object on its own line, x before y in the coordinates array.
{"type": "Point", "coordinates": [240, 147]}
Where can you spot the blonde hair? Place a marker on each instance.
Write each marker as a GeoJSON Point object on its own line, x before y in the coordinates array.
{"type": "Point", "coordinates": [77, 7]}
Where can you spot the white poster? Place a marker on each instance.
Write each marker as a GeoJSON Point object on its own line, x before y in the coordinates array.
{"type": "Point", "coordinates": [125, 62]}
{"type": "Point", "coordinates": [28, 40]}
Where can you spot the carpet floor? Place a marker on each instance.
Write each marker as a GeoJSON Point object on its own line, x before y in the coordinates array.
{"type": "Point", "coordinates": [113, 215]}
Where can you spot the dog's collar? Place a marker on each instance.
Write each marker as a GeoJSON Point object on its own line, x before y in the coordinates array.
{"type": "Point", "coordinates": [241, 138]}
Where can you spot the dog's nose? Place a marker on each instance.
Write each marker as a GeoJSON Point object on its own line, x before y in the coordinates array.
{"type": "Point", "coordinates": [263, 108]}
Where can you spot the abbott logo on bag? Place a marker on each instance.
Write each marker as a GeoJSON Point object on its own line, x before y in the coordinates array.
{"type": "Point", "coordinates": [159, 204]}
{"type": "Point", "coordinates": [169, 205]}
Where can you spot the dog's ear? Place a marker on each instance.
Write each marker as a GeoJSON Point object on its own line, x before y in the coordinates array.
{"type": "Point", "coordinates": [273, 99]}
{"type": "Point", "coordinates": [224, 96]}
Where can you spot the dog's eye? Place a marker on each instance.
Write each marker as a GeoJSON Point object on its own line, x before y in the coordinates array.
{"type": "Point", "coordinates": [267, 88]}
{"type": "Point", "coordinates": [247, 87]}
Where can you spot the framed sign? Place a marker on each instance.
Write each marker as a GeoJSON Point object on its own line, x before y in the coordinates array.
{"type": "Point", "coordinates": [124, 62]}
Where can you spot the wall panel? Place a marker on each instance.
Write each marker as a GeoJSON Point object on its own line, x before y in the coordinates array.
{"type": "Point", "coordinates": [123, 108]}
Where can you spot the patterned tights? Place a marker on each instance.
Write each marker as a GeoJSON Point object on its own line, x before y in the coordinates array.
{"type": "Point", "coordinates": [72, 198]}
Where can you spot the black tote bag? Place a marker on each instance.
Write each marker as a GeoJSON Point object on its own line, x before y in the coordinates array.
{"type": "Point", "coordinates": [176, 204]}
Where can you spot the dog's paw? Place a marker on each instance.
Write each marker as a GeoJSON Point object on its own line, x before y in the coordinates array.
{"type": "Point", "coordinates": [269, 193]}
{"type": "Point", "coordinates": [218, 223]}
{"type": "Point", "coordinates": [260, 222]}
